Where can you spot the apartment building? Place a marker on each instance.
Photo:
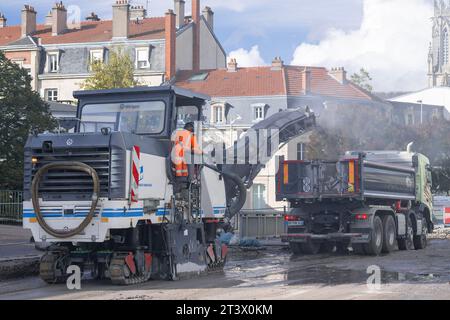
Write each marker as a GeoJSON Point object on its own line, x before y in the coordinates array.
{"type": "Point", "coordinates": [58, 53]}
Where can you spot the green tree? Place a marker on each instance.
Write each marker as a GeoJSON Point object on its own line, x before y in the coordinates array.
{"type": "Point", "coordinates": [362, 79]}
{"type": "Point", "coordinates": [117, 72]}
{"type": "Point", "coordinates": [22, 110]}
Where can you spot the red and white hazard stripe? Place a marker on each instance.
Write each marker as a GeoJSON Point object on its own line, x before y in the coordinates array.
{"type": "Point", "coordinates": [135, 167]}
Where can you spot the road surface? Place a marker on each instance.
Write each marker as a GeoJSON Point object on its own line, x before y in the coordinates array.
{"type": "Point", "coordinates": [276, 274]}
{"type": "Point", "coordinates": [15, 242]}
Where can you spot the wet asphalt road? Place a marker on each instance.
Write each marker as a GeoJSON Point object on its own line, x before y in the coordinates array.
{"type": "Point", "coordinates": [276, 274]}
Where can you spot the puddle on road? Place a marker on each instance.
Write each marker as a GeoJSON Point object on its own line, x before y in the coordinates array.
{"type": "Point", "coordinates": [332, 277]}
{"type": "Point", "coordinates": [279, 267]}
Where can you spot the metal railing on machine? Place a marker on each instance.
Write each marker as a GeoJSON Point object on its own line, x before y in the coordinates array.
{"type": "Point", "coordinates": [11, 207]}
{"type": "Point", "coordinates": [260, 223]}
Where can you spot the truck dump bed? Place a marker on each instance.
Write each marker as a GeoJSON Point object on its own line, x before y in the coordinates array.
{"type": "Point", "coordinates": [352, 177]}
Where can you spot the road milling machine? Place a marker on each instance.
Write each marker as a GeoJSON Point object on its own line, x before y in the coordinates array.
{"type": "Point", "coordinates": [106, 198]}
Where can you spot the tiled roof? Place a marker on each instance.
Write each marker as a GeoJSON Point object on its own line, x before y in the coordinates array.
{"type": "Point", "coordinates": [263, 81]}
{"type": "Point", "coordinates": [324, 84]}
{"type": "Point", "coordinates": [256, 81]}
{"type": "Point", "coordinates": [90, 31]}
{"type": "Point", "coordinates": [294, 81]}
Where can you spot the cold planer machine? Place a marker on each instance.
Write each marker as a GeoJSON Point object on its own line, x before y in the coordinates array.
{"type": "Point", "coordinates": [106, 199]}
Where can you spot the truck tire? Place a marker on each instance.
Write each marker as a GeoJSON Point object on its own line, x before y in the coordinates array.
{"type": "Point", "coordinates": [327, 247]}
{"type": "Point", "coordinates": [342, 247]}
{"type": "Point", "coordinates": [375, 245]}
{"type": "Point", "coordinates": [296, 248]}
{"type": "Point", "coordinates": [389, 234]}
{"type": "Point", "coordinates": [358, 248]}
{"type": "Point", "coordinates": [310, 247]}
{"type": "Point", "coordinates": [420, 242]}
{"type": "Point", "coordinates": [407, 242]}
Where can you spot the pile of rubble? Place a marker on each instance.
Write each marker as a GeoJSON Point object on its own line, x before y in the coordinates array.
{"type": "Point", "coordinates": [440, 233]}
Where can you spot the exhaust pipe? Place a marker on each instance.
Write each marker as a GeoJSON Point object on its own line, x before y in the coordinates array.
{"type": "Point", "coordinates": [409, 147]}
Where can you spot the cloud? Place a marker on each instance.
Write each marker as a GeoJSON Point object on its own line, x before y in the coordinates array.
{"type": "Point", "coordinates": [246, 58]}
{"type": "Point", "coordinates": [391, 43]}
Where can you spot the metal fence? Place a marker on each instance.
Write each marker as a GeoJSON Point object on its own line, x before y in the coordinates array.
{"type": "Point", "coordinates": [260, 224]}
{"type": "Point", "coordinates": [11, 207]}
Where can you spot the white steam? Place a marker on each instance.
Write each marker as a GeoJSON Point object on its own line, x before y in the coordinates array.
{"type": "Point", "coordinates": [391, 43]}
{"type": "Point", "coordinates": [247, 58]}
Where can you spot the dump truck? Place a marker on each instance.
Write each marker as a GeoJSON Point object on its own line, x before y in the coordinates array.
{"type": "Point", "coordinates": [106, 199]}
{"type": "Point", "coordinates": [370, 201]}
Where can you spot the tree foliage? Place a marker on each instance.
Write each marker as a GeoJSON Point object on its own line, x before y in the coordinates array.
{"type": "Point", "coordinates": [22, 109]}
{"type": "Point", "coordinates": [117, 72]}
{"type": "Point", "coordinates": [362, 79]}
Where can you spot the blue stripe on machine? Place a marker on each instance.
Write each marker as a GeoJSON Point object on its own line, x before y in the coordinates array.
{"type": "Point", "coordinates": [219, 210]}
{"type": "Point", "coordinates": [162, 212]}
{"type": "Point", "coordinates": [109, 213]}
{"type": "Point", "coordinates": [122, 214]}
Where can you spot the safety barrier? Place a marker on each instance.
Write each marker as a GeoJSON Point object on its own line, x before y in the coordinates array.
{"type": "Point", "coordinates": [260, 223]}
{"type": "Point", "coordinates": [11, 207]}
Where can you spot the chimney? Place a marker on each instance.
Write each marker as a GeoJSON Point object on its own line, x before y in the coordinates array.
{"type": "Point", "coordinates": [208, 14]}
{"type": "Point", "coordinates": [49, 19]}
{"type": "Point", "coordinates": [171, 45]}
{"type": "Point", "coordinates": [180, 12]}
{"type": "Point", "coordinates": [137, 13]}
{"type": "Point", "coordinates": [121, 18]}
{"type": "Point", "coordinates": [2, 21]}
{"type": "Point", "coordinates": [306, 81]}
{"type": "Point", "coordinates": [59, 19]}
{"type": "Point", "coordinates": [339, 74]}
{"type": "Point", "coordinates": [93, 17]}
{"type": "Point", "coordinates": [196, 42]}
{"type": "Point", "coordinates": [232, 65]}
{"type": "Point", "coordinates": [277, 63]}
{"type": "Point", "coordinates": [28, 20]}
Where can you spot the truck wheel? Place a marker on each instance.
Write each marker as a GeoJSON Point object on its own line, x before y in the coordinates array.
{"type": "Point", "coordinates": [358, 249]}
{"type": "Point", "coordinates": [310, 247]}
{"type": "Point", "coordinates": [407, 242]}
{"type": "Point", "coordinates": [374, 247]}
{"type": "Point", "coordinates": [388, 234]}
{"type": "Point", "coordinates": [327, 247]}
{"type": "Point", "coordinates": [342, 247]}
{"type": "Point", "coordinates": [420, 242]}
{"type": "Point", "coordinates": [296, 248]}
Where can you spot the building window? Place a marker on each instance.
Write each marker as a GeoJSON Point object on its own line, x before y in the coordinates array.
{"type": "Point", "coordinates": [259, 196]}
{"type": "Point", "coordinates": [218, 114]}
{"type": "Point", "coordinates": [53, 62]}
{"type": "Point", "coordinates": [51, 94]}
{"type": "Point", "coordinates": [19, 62]}
{"type": "Point", "coordinates": [301, 151]}
{"type": "Point", "coordinates": [96, 55]}
{"type": "Point", "coordinates": [142, 58]}
{"type": "Point", "coordinates": [435, 115]}
{"type": "Point", "coordinates": [410, 119]}
{"type": "Point", "coordinates": [258, 113]}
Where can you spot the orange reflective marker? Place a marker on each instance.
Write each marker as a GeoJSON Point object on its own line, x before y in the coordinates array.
{"type": "Point", "coordinates": [286, 173]}
{"type": "Point", "coordinates": [351, 176]}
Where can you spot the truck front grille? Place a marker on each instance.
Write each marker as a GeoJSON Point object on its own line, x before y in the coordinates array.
{"type": "Point", "coordinates": [57, 184]}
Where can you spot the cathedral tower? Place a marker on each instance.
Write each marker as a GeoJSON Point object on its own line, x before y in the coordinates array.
{"type": "Point", "coordinates": [439, 57]}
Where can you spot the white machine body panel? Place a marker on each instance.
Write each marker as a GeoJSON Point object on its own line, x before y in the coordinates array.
{"type": "Point", "coordinates": [213, 196]}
